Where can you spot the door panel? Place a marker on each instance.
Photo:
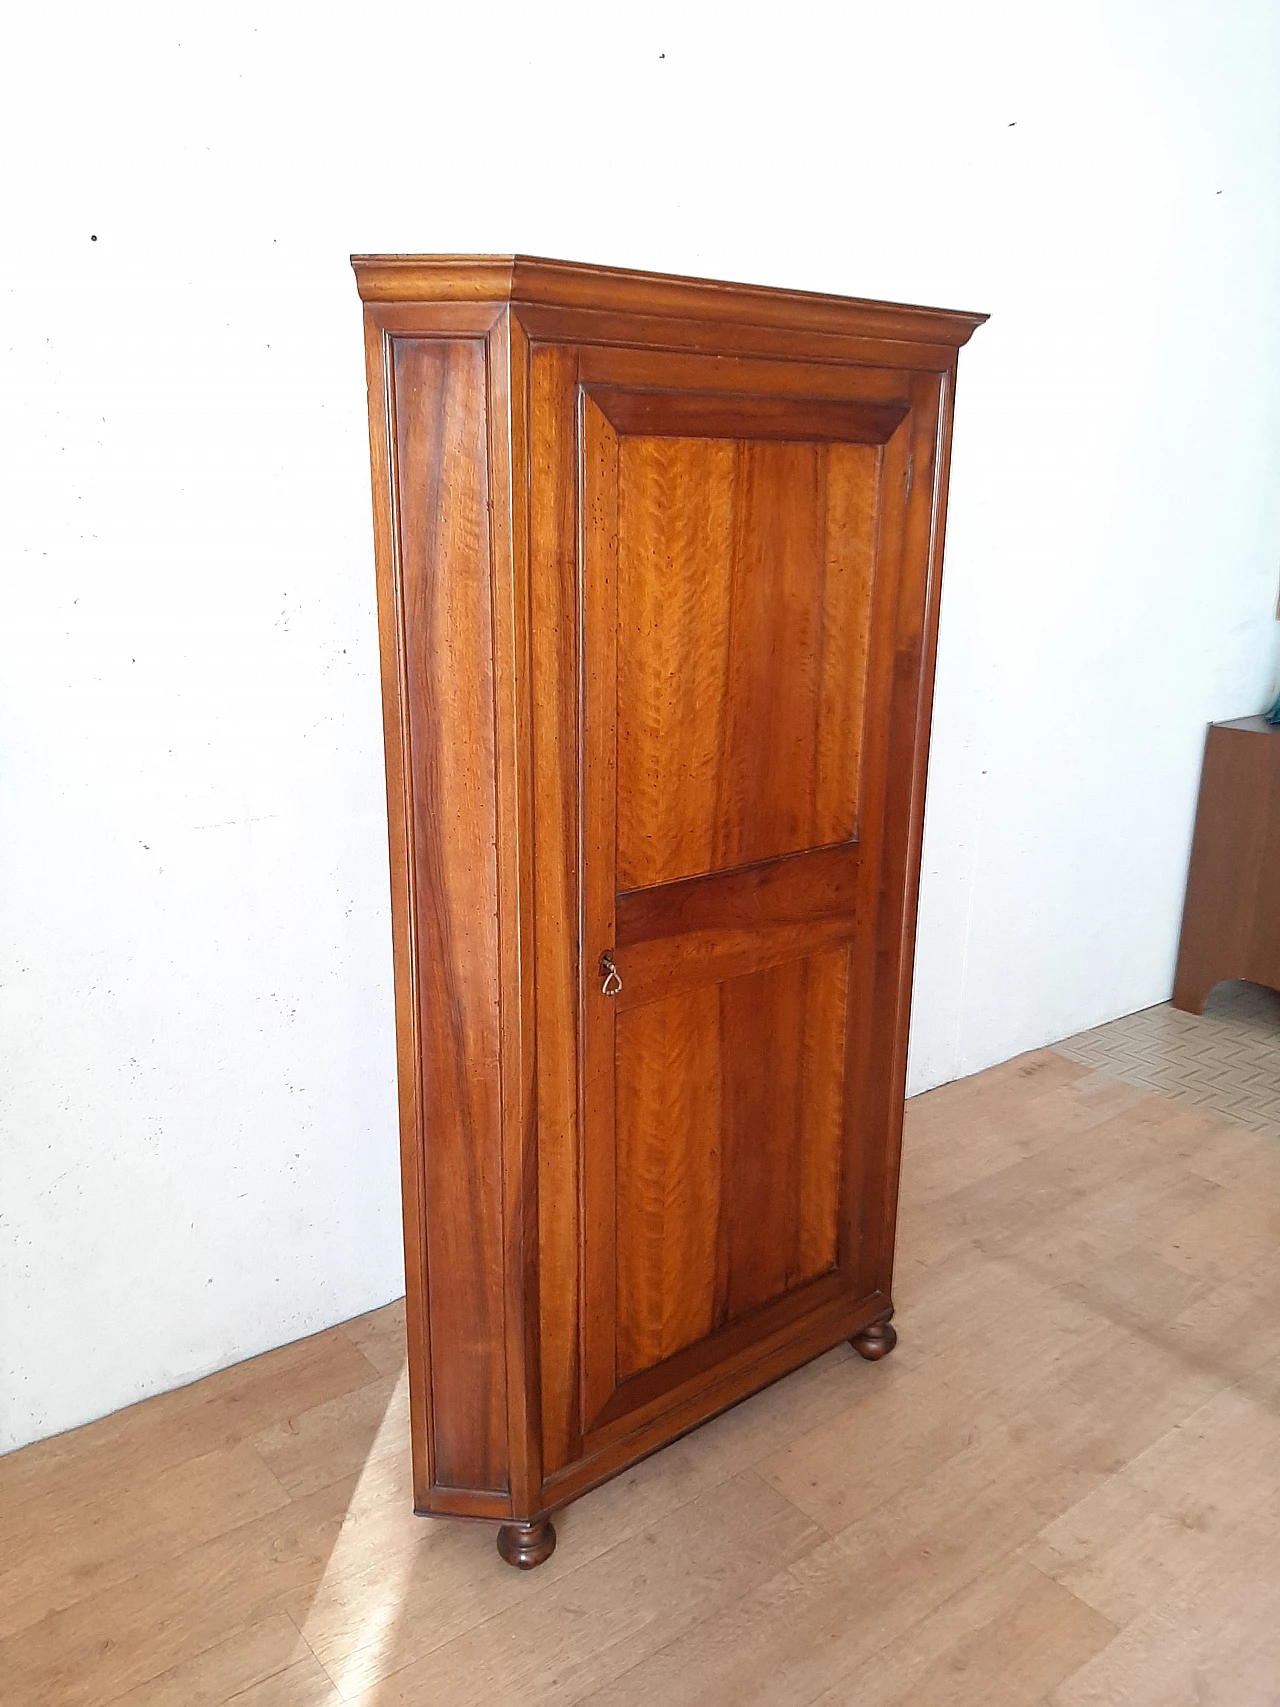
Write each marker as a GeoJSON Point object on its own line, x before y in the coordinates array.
{"type": "Point", "coordinates": [729, 1119]}
{"type": "Point", "coordinates": [740, 562]}
{"type": "Point", "coordinates": [744, 590]}
{"type": "Point", "coordinates": [782, 1063]}
{"type": "Point", "coordinates": [670, 1123]}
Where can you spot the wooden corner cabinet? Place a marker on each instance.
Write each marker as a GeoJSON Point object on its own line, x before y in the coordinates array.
{"type": "Point", "coordinates": [658, 569]}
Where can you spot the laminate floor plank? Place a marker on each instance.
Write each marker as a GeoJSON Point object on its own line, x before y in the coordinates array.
{"type": "Point", "coordinates": [824, 1619]}
{"type": "Point", "coordinates": [601, 1618]}
{"type": "Point", "coordinates": [1170, 1509]}
{"type": "Point", "coordinates": [931, 1415]}
{"type": "Point", "coordinates": [121, 1451]}
{"type": "Point", "coordinates": [1002, 1092]}
{"type": "Point", "coordinates": [1213, 1640]}
{"type": "Point", "coordinates": [1004, 1640]}
{"type": "Point", "coordinates": [397, 1586]}
{"type": "Point", "coordinates": [1236, 1227]}
{"type": "Point", "coordinates": [1233, 1327]}
{"type": "Point", "coordinates": [379, 1335]}
{"type": "Point", "coordinates": [112, 1641]}
{"type": "Point", "coordinates": [305, 1684]}
{"type": "Point", "coordinates": [213, 1680]}
{"type": "Point", "coordinates": [1063, 1489]}
{"type": "Point", "coordinates": [998, 1136]}
{"type": "Point", "coordinates": [65, 1554]}
{"type": "Point", "coordinates": [224, 1671]}
{"type": "Point", "coordinates": [336, 1439]}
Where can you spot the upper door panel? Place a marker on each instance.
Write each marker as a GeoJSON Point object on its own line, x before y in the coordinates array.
{"type": "Point", "coordinates": [744, 596]}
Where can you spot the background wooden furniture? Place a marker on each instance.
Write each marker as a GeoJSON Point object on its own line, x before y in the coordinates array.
{"type": "Point", "coordinates": [658, 569]}
{"type": "Point", "coordinates": [1231, 920]}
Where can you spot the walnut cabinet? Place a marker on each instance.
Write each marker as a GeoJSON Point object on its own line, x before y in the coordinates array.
{"type": "Point", "coordinates": [658, 569]}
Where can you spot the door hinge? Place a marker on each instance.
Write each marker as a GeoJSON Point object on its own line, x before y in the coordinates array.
{"type": "Point", "coordinates": [911, 472]}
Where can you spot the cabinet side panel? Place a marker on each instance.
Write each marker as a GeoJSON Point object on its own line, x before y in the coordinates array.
{"type": "Point", "coordinates": [912, 542]}
{"type": "Point", "coordinates": [444, 546]}
{"type": "Point", "coordinates": [399, 838]}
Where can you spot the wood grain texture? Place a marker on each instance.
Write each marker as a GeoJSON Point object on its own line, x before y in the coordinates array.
{"type": "Point", "coordinates": [395, 731]}
{"type": "Point", "coordinates": [713, 414]}
{"type": "Point", "coordinates": [900, 694]}
{"type": "Point", "coordinates": [751, 387]}
{"type": "Point", "coordinates": [670, 1125]}
{"type": "Point", "coordinates": [744, 586]}
{"type": "Point", "coordinates": [806, 889]}
{"type": "Point", "coordinates": [627, 332]}
{"type": "Point", "coordinates": [704, 930]}
{"type": "Point", "coordinates": [507, 422]}
{"type": "Point", "coordinates": [729, 1147]}
{"type": "Point", "coordinates": [553, 582]}
{"type": "Point", "coordinates": [567, 284]}
{"type": "Point", "coordinates": [443, 515]}
{"type": "Point", "coordinates": [1231, 918]}
{"type": "Point", "coordinates": [782, 1043]}
{"type": "Point", "coordinates": [598, 854]}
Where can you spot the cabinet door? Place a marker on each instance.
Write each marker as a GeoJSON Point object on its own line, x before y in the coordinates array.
{"type": "Point", "coordinates": [753, 571]}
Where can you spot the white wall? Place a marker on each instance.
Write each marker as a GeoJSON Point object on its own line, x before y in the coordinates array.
{"type": "Point", "coordinates": [198, 1147]}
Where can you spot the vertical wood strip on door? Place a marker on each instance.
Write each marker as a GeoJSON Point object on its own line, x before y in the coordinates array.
{"type": "Point", "coordinates": [599, 650]}
{"type": "Point", "coordinates": [552, 477]}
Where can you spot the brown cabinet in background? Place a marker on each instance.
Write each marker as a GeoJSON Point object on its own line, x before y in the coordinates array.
{"type": "Point", "coordinates": [1231, 919]}
{"type": "Point", "coordinates": [658, 571]}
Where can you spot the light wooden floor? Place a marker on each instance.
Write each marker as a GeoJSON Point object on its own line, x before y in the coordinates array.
{"type": "Point", "coordinates": [1063, 1487]}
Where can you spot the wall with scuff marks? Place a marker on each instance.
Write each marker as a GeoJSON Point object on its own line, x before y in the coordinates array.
{"type": "Point", "coordinates": [198, 1157]}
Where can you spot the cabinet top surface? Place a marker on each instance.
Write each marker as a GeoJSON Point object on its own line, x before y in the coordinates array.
{"type": "Point", "coordinates": [570, 284]}
{"type": "Point", "coordinates": [1256, 725]}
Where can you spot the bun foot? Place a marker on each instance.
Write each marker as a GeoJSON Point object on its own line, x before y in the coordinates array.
{"type": "Point", "coordinates": [875, 1341]}
{"type": "Point", "coordinates": [525, 1545]}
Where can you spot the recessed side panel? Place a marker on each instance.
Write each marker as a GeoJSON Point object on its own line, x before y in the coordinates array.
{"type": "Point", "coordinates": [744, 591]}
{"type": "Point", "coordinates": [443, 552]}
{"type": "Point", "coordinates": [729, 1122]}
